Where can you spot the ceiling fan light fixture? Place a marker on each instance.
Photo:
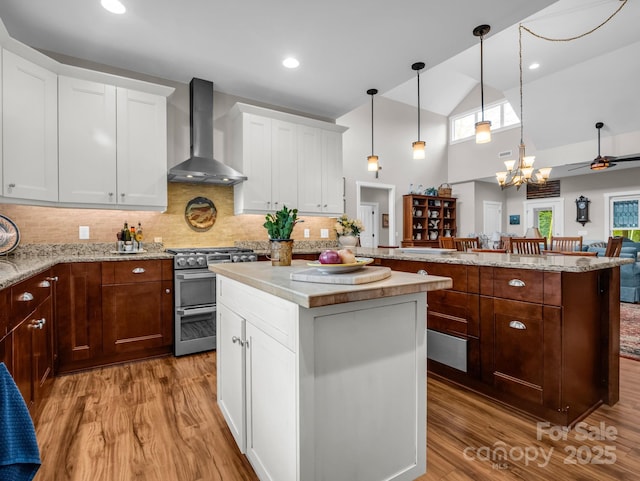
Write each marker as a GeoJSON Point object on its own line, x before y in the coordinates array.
{"type": "Point", "coordinates": [600, 163]}
{"type": "Point", "coordinates": [483, 128]}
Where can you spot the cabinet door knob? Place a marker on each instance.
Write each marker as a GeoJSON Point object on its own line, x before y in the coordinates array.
{"type": "Point", "coordinates": [54, 278]}
{"type": "Point", "coordinates": [138, 270]}
{"type": "Point", "coordinates": [235, 339]}
{"type": "Point", "coordinates": [168, 291]}
{"type": "Point", "coordinates": [25, 297]}
{"type": "Point", "coordinates": [516, 283]}
{"type": "Point", "coordinates": [517, 325]}
{"type": "Point", "coordinates": [122, 195]}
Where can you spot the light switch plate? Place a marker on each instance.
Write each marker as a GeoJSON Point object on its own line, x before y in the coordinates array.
{"type": "Point", "coordinates": [83, 232]}
{"type": "Point", "coordinates": [324, 233]}
{"type": "Point", "coordinates": [157, 240]}
{"type": "Point", "coordinates": [306, 233]}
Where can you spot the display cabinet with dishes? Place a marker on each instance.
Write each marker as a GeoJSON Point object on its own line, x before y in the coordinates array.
{"type": "Point", "coordinates": [427, 218]}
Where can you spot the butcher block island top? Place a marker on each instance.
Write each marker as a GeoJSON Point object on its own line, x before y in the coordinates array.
{"type": "Point", "coordinates": [277, 281]}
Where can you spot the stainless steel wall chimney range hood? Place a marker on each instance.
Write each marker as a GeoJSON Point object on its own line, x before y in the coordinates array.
{"type": "Point", "coordinates": [201, 167]}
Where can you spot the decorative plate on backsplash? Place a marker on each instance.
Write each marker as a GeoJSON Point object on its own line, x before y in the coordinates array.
{"type": "Point", "coordinates": [9, 235]}
{"type": "Point", "coordinates": [200, 214]}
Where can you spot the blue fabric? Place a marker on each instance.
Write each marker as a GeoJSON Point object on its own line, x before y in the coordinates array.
{"type": "Point", "coordinates": [19, 453]}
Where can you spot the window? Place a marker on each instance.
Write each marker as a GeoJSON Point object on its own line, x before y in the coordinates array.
{"type": "Point", "coordinates": [501, 115]}
{"type": "Point", "coordinates": [625, 217]}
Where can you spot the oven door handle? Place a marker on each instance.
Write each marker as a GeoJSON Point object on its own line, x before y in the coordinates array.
{"type": "Point", "coordinates": [196, 311]}
{"type": "Point", "coordinates": [198, 275]}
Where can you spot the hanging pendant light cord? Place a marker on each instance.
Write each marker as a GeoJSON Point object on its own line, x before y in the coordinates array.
{"type": "Point", "coordinates": [520, 61]}
{"type": "Point", "coordinates": [481, 78]}
{"type": "Point", "coordinates": [372, 124]}
{"type": "Point", "coordinates": [418, 72]}
{"type": "Point", "coordinates": [569, 39]}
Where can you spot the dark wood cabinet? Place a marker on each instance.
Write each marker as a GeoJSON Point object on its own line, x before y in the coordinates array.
{"type": "Point", "coordinates": [110, 312]}
{"type": "Point", "coordinates": [137, 306]}
{"type": "Point", "coordinates": [426, 219]}
{"type": "Point", "coordinates": [544, 342]}
{"type": "Point", "coordinates": [78, 315]}
{"type": "Point", "coordinates": [28, 347]}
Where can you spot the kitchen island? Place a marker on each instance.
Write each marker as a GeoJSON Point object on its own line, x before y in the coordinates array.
{"type": "Point", "coordinates": [540, 334]}
{"type": "Point", "coordinates": [323, 381]}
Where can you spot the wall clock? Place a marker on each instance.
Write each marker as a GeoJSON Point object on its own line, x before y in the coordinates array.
{"type": "Point", "coordinates": [582, 210]}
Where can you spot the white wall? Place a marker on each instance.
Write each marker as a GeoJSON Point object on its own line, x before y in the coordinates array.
{"type": "Point", "coordinates": [395, 128]}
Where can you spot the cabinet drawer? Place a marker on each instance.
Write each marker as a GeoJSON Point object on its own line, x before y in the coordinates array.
{"type": "Point", "coordinates": [127, 272]}
{"type": "Point", "coordinates": [519, 284]}
{"type": "Point", "coordinates": [276, 317]}
{"type": "Point", "coordinates": [453, 312]}
{"type": "Point", "coordinates": [27, 295]}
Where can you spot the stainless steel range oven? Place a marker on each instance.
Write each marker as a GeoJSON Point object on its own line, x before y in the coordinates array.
{"type": "Point", "coordinates": [195, 295]}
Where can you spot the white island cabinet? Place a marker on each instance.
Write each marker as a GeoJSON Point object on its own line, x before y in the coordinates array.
{"type": "Point", "coordinates": [323, 381]}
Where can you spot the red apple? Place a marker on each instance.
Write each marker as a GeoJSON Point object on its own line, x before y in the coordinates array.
{"type": "Point", "coordinates": [330, 257]}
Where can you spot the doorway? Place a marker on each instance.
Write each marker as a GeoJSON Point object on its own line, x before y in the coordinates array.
{"type": "Point", "coordinates": [368, 215]}
{"type": "Point", "coordinates": [545, 214]}
{"type": "Point", "coordinates": [387, 235]}
{"type": "Point", "coordinates": [491, 217]}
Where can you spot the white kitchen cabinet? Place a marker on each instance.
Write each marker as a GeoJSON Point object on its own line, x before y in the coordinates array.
{"type": "Point", "coordinates": [257, 378]}
{"type": "Point", "coordinates": [230, 338]}
{"type": "Point", "coordinates": [112, 145]}
{"type": "Point", "coordinates": [87, 141]}
{"type": "Point", "coordinates": [268, 149]}
{"type": "Point", "coordinates": [141, 148]}
{"type": "Point", "coordinates": [288, 159]}
{"type": "Point", "coordinates": [320, 171]}
{"type": "Point", "coordinates": [334, 392]}
{"type": "Point", "coordinates": [29, 130]}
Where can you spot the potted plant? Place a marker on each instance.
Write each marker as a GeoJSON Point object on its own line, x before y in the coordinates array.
{"type": "Point", "coordinates": [279, 226]}
{"type": "Point", "coordinates": [348, 230]}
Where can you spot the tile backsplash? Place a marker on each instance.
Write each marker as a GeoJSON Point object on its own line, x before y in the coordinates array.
{"type": "Point", "coordinates": [57, 225]}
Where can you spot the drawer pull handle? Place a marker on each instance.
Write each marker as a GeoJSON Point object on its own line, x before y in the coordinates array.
{"type": "Point", "coordinates": [25, 297]}
{"type": "Point", "coordinates": [517, 325]}
{"type": "Point", "coordinates": [422, 272]}
{"type": "Point", "coordinates": [37, 323]}
{"type": "Point", "coordinates": [516, 283]}
{"type": "Point", "coordinates": [138, 270]}
{"type": "Point", "coordinates": [45, 283]}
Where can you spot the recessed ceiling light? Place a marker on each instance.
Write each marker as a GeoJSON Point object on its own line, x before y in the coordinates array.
{"type": "Point", "coordinates": [291, 62]}
{"type": "Point", "coordinates": [113, 6]}
{"type": "Point", "coordinates": [534, 66]}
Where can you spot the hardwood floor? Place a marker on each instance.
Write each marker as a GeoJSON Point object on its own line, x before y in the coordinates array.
{"type": "Point", "coordinates": [158, 420]}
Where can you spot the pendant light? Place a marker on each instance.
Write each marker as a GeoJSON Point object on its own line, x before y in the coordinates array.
{"type": "Point", "coordinates": [372, 160]}
{"type": "Point", "coordinates": [483, 128]}
{"type": "Point", "coordinates": [418, 145]}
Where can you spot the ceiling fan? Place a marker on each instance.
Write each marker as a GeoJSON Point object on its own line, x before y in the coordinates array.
{"type": "Point", "coordinates": [604, 162]}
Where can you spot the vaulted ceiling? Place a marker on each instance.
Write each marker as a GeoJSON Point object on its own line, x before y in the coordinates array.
{"type": "Point", "coordinates": [347, 47]}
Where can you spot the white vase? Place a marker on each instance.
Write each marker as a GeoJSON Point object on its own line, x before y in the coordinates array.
{"type": "Point", "coordinates": [348, 240]}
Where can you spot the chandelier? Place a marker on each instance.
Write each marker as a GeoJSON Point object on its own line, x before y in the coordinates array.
{"type": "Point", "coordinates": [521, 171]}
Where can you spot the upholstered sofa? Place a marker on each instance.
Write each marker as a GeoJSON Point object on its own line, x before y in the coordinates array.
{"type": "Point", "coordinates": [629, 273]}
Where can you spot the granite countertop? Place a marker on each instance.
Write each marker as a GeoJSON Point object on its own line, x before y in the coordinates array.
{"type": "Point", "coordinates": [277, 281]}
{"type": "Point", "coordinates": [540, 263]}
{"type": "Point", "coordinates": [35, 259]}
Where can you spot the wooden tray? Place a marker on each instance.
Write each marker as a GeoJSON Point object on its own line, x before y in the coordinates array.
{"type": "Point", "coordinates": [362, 276]}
